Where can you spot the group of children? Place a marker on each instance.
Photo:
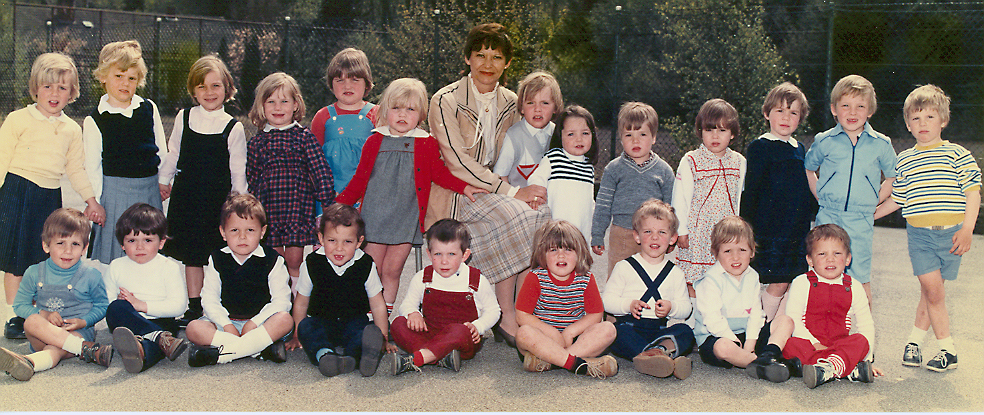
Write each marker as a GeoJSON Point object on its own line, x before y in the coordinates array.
{"type": "Point", "coordinates": [783, 303]}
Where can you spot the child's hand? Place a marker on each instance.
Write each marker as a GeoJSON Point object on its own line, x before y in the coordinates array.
{"type": "Point", "coordinates": [138, 304]}
{"type": "Point", "coordinates": [663, 308]}
{"type": "Point", "coordinates": [165, 191]}
{"type": "Point", "coordinates": [876, 371]}
{"type": "Point", "coordinates": [475, 335]}
{"type": "Point", "coordinates": [598, 249]}
{"type": "Point", "coordinates": [683, 241]}
{"type": "Point", "coordinates": [470, 192]}
{"type": "Point", "coordinates": [231, 329]}
{"type": "Point", "coordinates": [94, 211]}
{"type": "Point", "coordinates": [391, 348]}
{"type": "Point", "coordinates": [73, 324]}
{"type": "Point", "coordinates": [637, 306]}
{"type": "Point", "coordinates": [819, 346]}
{"type": "Point", "coordinates": [53, 317]}
{"type": "Point", "coordinates": [961, 241]}
{"type": "Point", "coordinates": [415, 322]}
{"type": "Point", "coordinates": [293, 343]}
{"type": "Point", "coordinates": [691, 290]}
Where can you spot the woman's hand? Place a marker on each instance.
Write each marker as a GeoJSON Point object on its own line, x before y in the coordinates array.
{"type": "Point", "coordinates": [533, 195]}
{"type": "Point", "coordinates": [470, 192]}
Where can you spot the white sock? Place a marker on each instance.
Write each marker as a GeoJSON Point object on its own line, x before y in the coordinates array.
{"type": "Point", "coordinates": [770, 305]}
{"type": "Point", "coordinates": [42, 360]}
{"type": "Point", "coordinates": [152, 336]}
{"type": "Point", "coordinates": [947, 344]}
{"type": "Point", "coordinates": [248, 345]}
{"type": "Point", "coordinates": [73, 345]}
{"type": "Point", "coordinates": [917, 335]}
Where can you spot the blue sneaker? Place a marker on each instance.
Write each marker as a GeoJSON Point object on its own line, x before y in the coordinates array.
{"type": "Point", "coordinates": [943, 361]}
{"type": "Point", "coordinates": [912, 356]}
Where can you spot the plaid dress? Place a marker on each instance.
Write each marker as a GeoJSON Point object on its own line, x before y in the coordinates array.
{"type": "Point", "coordinates": [287, 172]}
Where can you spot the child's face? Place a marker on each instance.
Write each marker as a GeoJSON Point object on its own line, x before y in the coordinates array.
{"type": "Point", "coordinates": [486, 67]}
{"type": "Point", "coordinates": [211, 93]}
{"type": "Point", "coordinates": [279, 109]}
{"type": "Point", "coordinates": [539, 108]}
{"type": "Point", "coordinates": [638, 144]}
{"type": "Point", "coordinates": [851, 112]}
{"type": "Point", "coordinates": [121, 85]}
{"type": "Point", "coordinates": [446, 256]}
{"type": "Point", "coordinates": [402, 118]}
{"type": "Point", "coordinates": [716, 139]}
{"type": "Point", "coordinates": [654, 237]}
{"type": "Point", "coordinates": [52, 98]}
{"type": "Point", "coordinates": [66, 251]}
{"type": "Point", "coordinates": [561, 262]}
{"type": "Point", "coordinates": [142, 248]}
{"type": "Point", "coordinates": [784, 119]}
{"type": "Point", "coordinates": [829, 258]}
{"type": "Point", "coordinates": [576, 136]}
{"type": "Point", "coordinates": [340, 243]}
{"type": "Point", "coordinates": [926, 125]}
{"type": "Point", "coordinates": [735, 256]}
{"type": "Point", "coordinates": [349, 90]}
{"type": "Point", "coordinates": [242, 235]}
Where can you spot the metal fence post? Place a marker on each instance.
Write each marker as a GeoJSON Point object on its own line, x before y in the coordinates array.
{"type": "Point", "coordinates": [615, 94]}
{"type": "Point", "coordinates": [157, 59]}
{"type": "Point", "coordinates": [830, 58]}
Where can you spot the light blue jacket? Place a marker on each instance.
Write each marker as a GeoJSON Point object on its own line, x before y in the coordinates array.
{"type": "Point", "coordinates": [850, 175]}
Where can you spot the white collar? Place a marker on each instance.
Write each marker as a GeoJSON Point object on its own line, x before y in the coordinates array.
{"type": "Point", "coordinates": [202, 112]}
{"type": "Point", "coordinates": [773, 137]}
{"type": "Point", "coordinates": [258, 252]}
{"type": "Point", "coordinates": [268, 127]}
{"type": "Point", "coordinates": [36, 113]}
{"type": "Point", "coordinates": [573, 157]}
{"type": "Point", "coordinates": [359, 253]}
{"type": "Point", "coordinates": [485, 97]}
{"type": "Point", "coordinates": [416, 132]}
{"type": "Point", "coordinates": [533, 130]}
{"type": "Point", "coordinates": [104, 106]}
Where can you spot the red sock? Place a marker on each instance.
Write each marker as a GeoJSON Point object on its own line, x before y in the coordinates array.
{"type": "Point", "coordinates": [418, 358]}
{"type": "Point", "coordinates": [571, 359]}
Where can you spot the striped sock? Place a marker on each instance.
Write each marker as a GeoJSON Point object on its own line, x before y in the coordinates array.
{"type": "Point", "coordinates": [840, 368]}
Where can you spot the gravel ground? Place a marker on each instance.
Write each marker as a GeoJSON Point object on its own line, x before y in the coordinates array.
{"type": "Point", "coordinates": [495, 380]}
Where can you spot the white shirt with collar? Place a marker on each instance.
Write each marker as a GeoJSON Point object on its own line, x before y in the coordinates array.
{"type": "Point", "coordinates": [485, 300]}
{"type": "Point", "coordinates": [268, 127]}
{"type": "Point", "coordinates": [624, 286]}
{"type": "Point", "coordinates": [208, 122]}
{"type": "Point", "coordinates": [769, 136]}
{"type": "Point", "coordinates": [385, 130]}
{"type": "Point", "coordinates": [373, 285]}
{"type": "Point", "coordinates": [488, 111]}
{"type": "Point", "coordinates": [277, 280]}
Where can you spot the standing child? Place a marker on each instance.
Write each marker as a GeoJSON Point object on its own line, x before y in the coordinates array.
{"type": "Point", "coordinates": [330, 309]}
{"type": "Point", "coordinates": [708, 186]}
{"type": "Point", "coordinates": [399, 163]}
{"type": "Point", "coordinates": [525, 142]}
{"type": "Point", "coordinates": [61, 300]}
{"type": "Point", "coordinates": [38, 144]}
{"type": "Point", "coordinates": [730, 327]}
{"type": "Point", "coordinates": [939, 191]}
{"type": "Point", "coordinates": [343, 127]}
{"type": "Point", "coordinates": [285, 169]}
{"type": "Point", "coordinates": [442, 317]}
{"type": "Point", "coordinates": [567, 170]}
{"type": "Point", "coordinates": [569, 336]}
{"type": "Point", "coordinates": [628, 181]}
{"type": "Point", "coordinates": [852, 159]}
{"type": "Point", "coordinates": [125, 143]}
{"type": "Point", "coordinates": [777, 201]}
{"type": "Point", "coordinates": [246, 297]}
{"type": "Point", "coordinates": [825, 310]}
{"type": "Point", "coordinates": [206, 158]}
{"type": "Point", "coordinates": [145, 292]}
{"type": "Point", "coordinates": [645, 291]}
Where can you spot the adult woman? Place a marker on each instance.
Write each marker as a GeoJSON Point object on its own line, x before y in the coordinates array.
{"type": "Point", "coordinates": [469, 119]}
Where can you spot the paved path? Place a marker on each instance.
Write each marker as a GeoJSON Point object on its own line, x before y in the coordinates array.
{"type": "Point", "coordinates": [495, 381]}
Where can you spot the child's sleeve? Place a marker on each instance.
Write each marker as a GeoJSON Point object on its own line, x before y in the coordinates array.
{"type": "Point", "coordinates": [674, 288]}
{"type": "Point", "coordinates": [9, 136]}
{"type": "Point", "coordinates": [414, 295]}
{"type": "Point", "coordinates": [356, 187]}
{"type": "Point", "coordinates": [97, 296]}
{"type": "Point", "coordinates": [170, 165]}
{"type": "Point", "coordinates": [438, 170]}
{"type": "Point", "coordinates": [968, 172]}
{"type": "Point", "coordinates": [542, 173]}
{"type": "Point", "coordinates": [755, 175]}
{"type": "Point", "coordinates": [507, 156]}
{"type": "Point", "coordinates": [888, 161]}
{"type": "Point", "coordinates": [373, 284]}
{"type": "Point", "coordinates": [92, 141]}
{"type": "Point", "coordinates": [815, 155]}
{"type": "Point", "coordinates": [799, 294]}
{"type": "Point", "coordinates": [318, 125]}
{"type": "Point", "coordinates": [324, 183]}
{"type": "Point", "coordinates": [160, 137]}
{"type": "Point", "coordinates": [711, 309]}
{"type": "Point", "coordinates": [528, 294]}
{"type": "Point", "coordinates": [237, 158]}
{"type": "Point", "coordinates": [603, 204]}
{"type": "Point", "coordinates": [488, 306]}
{"type": "Point", "coordinates": [860, 316]}
{"type": "Point", "coordinates": [75, 165]}
{"type": "Point", "coordinates": [615, 304]}
{"type": "Point", "coordinates": [253, 164]}
{"type": "Point", "coordinates": [742, 171]}
{"type": "Point", "coordinates": [24, 300]}
{"type": "Point", "coordinates": [592, 298]}
{"type": "Point", "coordinates": [683, 194]}
{"type": "Point", "coordinates": [667, 179]}
{"type": "Point", "coordinates": [304, 283]}
{"type": "Point", "coordinates": [279, 282]}
{"type": "Point", "coordinates": [212, 296]}
{"type": "Point", "coordinates": [175, 296]}
{"type": "Point", "coordinates": [109, 282]}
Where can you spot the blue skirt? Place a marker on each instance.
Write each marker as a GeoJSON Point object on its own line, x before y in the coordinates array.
{"type": "Point", "coordinates": [118, 194]}
{"type": "Point", "coordinates": [24, 206]}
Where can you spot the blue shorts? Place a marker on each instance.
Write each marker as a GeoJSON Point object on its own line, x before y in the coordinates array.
{"type": "Point", "coordinates": [929, 251]}
{"type": "Point", "coordinates": [860, 227]}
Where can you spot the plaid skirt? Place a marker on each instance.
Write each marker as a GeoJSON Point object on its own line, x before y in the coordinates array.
{"type": "Point", "coordinates": [501, 229]}
{"type": "Point", "coordinates": [24, 206]}
{"type": "Point", "coordinates": [118, 194]}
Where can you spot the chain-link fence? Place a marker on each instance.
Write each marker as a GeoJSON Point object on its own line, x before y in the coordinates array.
{"type": "Point", "coordinates": [673, 56]}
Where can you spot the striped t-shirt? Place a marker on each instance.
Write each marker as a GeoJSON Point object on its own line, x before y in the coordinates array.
{"type": "Point", "coordinates": [932, 183]}
{"type": "Point", "coordinates": [559, 303]}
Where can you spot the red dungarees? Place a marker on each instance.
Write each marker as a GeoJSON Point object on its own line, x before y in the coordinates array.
{"type": "Point", "coordinates": [444, 312]}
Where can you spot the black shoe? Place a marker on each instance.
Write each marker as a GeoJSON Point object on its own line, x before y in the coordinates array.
{"type": "Point", "coordinates": [500, 335]}
{"type": "Point", "coordinates": [943, 361]}
{"type": "Point", "coordinates": [402, 363]}
{"type": "Point", "coordinates": [451, 361]}
{"type": "Point", "coordinates": [818, 374]}
{"type": "Point", "coordinates": [911, 356]}
{"type": "Point", "coordinates": [188, 317]}
{"type": "Point", "coordinates": [795, 367]}
{"type": "Point", "coordinates": [373, 345]}
{"type": "Point", "coordinates": [199, 356]}
{"type": "Point", "coordinates": [276, 352]}
{"type": "Point", "coordinates": [14, 330]}
{"type": "Point", "coordinates": [862, 373]}
{"type": "Point", "coordinates": [334, 365]}
{"type": "Point", "coordinates": [767, 367]}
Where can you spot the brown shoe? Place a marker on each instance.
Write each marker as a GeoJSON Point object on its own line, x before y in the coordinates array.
{"type": "Point", "coordinates": [130, 348]}
{"type": "Point", "coordinates": [94, 353]}
{"type": "Point", "coordinates": [16, 365]}
{"type": "Point", "coordinates": [682, 367]}
{"type": "Point", "coordinates": [600, 367]}
{"type": "Point", "coordinates": [532, 363]}
{"type": "Point", "coordinates": [170, 345]}
{"type": "Point", "coordinates": [653, 362]}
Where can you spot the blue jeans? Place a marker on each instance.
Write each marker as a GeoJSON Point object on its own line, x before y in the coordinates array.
{"type": "Point", "coordinates": [121, 314]}
{"type": "Point", "coordinates": [316, 333]}
{"type": "Point", "coordinates": [635, 336]}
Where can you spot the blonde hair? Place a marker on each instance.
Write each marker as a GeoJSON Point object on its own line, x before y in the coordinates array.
{"type": "Point", "coordinates": [560, 234]}
{"type": "Point", "coordinates": [349, 62]}
{"type": "Point", "coordinates": [928, 97]}
{"type": "Point", "coordinates": [854, 85]}
{"type": "Point", "coordinates": [535, 82]}
{"type": "Point", "coordinates": [633, 115]}
{"type": "Point", "coordinates": [65, 222]}
{"type": "Point", "coordinates": [731, 229]}
{"type": "Point", "coordinates": [786, 94]}
{"type": "Point", "coordinates": [825, 232]}
{"type": "Point", "coordinates": [658, 209]}
{"type": "Point", "coordinates": [267, 87]}
{"type": "Point", "coordinates": [205, 65]}
{"type": "Point", "coordinates": [123, 55]}
{"type": "Point", "coordinates": [717, 113]}
{"type": "Point", "coordinates": [54, 67]}
{"type": "Point", "coordinates": [404, 91]}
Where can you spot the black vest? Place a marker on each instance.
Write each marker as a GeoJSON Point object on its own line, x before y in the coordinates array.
{"type": "Point", "coordinates": [245, 288]}
{"type": "Point", "coordinates": [129, 145]}
{"type": "Point", "coordinates": [338, 297]}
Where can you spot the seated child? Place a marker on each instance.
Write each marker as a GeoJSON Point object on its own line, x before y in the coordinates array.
{"type": "Point", "coordinates": [644, 291]}
{"type": "Point", "coordinates": [825, 309]}
{"type": "Point", "coordinates": [442, 319]}
{"type": "Point", "coordinates": [730, 325]}
{"type": "Point", "coordinates": [146, 291]}
{"type": "Point", "coordinates": [61, 299]}
{"type": "Point", "coordinates": [569, 336]}
{"type": "Point", "coordinates": [246, 297]}
{"type": "Point", "coordinates": [329, 309]}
